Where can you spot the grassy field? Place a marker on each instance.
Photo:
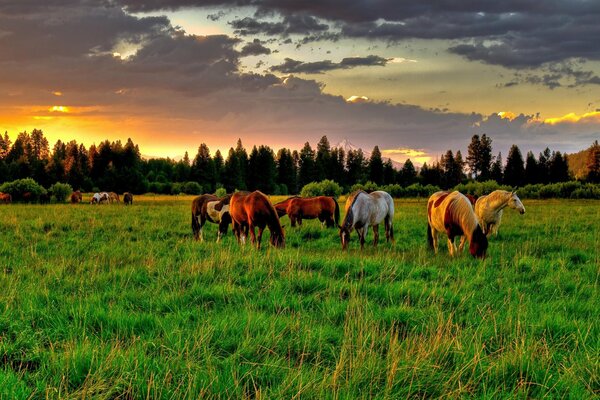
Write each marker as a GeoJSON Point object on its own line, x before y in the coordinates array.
{"type": "Point", "coordinates": [120, 302]}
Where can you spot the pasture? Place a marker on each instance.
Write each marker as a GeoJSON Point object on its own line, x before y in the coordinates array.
{"type": "Point", "coordinates": [119, 302]}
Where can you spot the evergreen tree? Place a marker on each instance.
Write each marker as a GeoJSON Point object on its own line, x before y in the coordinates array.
{"type": "Point", "coordinates": [356, 167]}
{"type": "Point", "coordinates": [183, 169]}
{"type": "Point", "coordinates": [203, 169]}
{"type": "Point", "coordinates": [531, 169]}
{"type": "Point", "coordinates": [242, 160]}
{"type": "Point", "coordinates": [514, 172]}
{"type": "Point", "coordinates": [262, 169]}
{"type": "Point", "coordinates": [56, 167]}
{"type": "Point", "coordinates": [376, 166]}
{"type": "Point", "coordinates": [286, 173]}
{"type": "Point", "coordinates": [558, 168]}
{"type": "Point", "coordinates": [4, 146]}
{"type": "Point", "coordinates": [306, 173]}
{"type": "Point", "coordinates": [338, 159]}
{"type": "Point", "coordinates": [233, 178]}
{"type": "Point", "coordinates": [593, 163]}
{"type": "Point", "coordinates": [496, 171]}
{"type": "Point", "coordinates": [479, 157]}
{"type": "Point", "coordinates": [323, 160]}
{"type": "Point", "coordinates": [408, 173]}
{"type": "Point", "coordinates": [431, 175]}
{"type": "Point", "coordinates": [543, 166]}
{"type": "Point", "coordinates": [452, 170]}
{"type": "Point", "coordinates": [389, 173]}
{"type": "Point", "coordinates": [219, 166]}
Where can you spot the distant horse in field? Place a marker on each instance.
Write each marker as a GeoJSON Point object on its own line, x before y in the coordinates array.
{"type": "Point", "coordinates": [27, 197]}
{"type": "Point", "coordinates": [112, 197]}
{"type": "Point", "coordinates": [453, 214]}
{"type": "Point", "coordinates": [364, 210]}
{"type": "Point", "coordinates": [208, 207]}
{"type": "Point", "coordinates": [254, 210]}
{"type": "Point", "coordinates": [282, 206]}
{"type": "Point", "coordinates": [5, 198]}
{"type": "Point", "coordinates": [489, 209]}
{"type": "Point", "coordinates": [76, 197]}
{"type": "Point", "coordinates": [127, 198]}
{"type": "Point", "coordinates": [325, 208]}
{"type": "Point", "coordinates": [99, 198]}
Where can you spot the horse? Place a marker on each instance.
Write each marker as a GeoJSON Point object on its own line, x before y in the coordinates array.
{"type": "Point", "coordinates": [127, 198]}
{"type": "Point", "coordinates": [254, 210]}
{"type": "Point", "coordinates": [364, 210]}
{"type": "Point", "coordinates": [282, 206]}
{"type": "Point", "coordinates": [472, 199]}
{"type": "Point", "coordinates": [208, 207]}
{"type": "Point", "coordinates": [5, 198]}
{"type": "Point", "coordinates": [112, 197]}
{"type": "Point", "coordinates": [99, 198]}
{"type": "Point", "coordinates": [453, 214]}
{"type": "Point", "coordinates": [489, 209]}
{"type": "Point", "coordinates": [325, 208]}
{"type": "Point", "coordinates": [76, 197]}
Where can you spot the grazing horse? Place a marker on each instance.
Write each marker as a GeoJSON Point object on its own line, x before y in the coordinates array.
{"type": "Point", "coordinates": [76, 197]}
{"type": "Point", "coordinates": [208, 207]}
{"type": "Point", "coordinates": [489, 209]}
{"type": "Point", "coordinates": [364, 210]}
{"type": "Point", "coordinates": [254, 210]}
{"type": "Point", "coordinates": [99, 198]}
{"type": "Point", "coordinates": [453, 214]}
{"type": "Point", "coordinates": [326, 209]}
{"type": "Point", "coordinates": [282, 206]}
{"type": "Point", "coordinates": [5, 198]}
{"type": "Point", "coordinates": [127, 198]}
{"type": "Point", "coordinates": [472, 199]}
{"type": "Point", "coordinates": [112, 197]}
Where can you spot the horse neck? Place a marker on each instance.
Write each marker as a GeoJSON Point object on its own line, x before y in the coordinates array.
{"type": "Point", "coordinates": [498, 203]}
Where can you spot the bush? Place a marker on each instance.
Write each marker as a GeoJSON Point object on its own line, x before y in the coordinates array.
{"type": "Point", "coordinates": [394, 190]}
{"type": "Point", "coordinates": [480, 188]}
{"type": "Point", "coordinates": [220, 192]}
{"type": "Point", "coordinates": [367, 187]}
{"type": "Point", "coordinates": [323, 188]}
{"type": "Point", "coordinates": [61, 191]}
{"type": "Point", "coordinates": [192, 188]}
{"type": "Point", "coordinates": [18, 188]}
{"type": "Point", "coordinates": [177, 188]}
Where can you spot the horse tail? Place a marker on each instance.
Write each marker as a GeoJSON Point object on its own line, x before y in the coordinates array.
{"type": "Point", "coordinates": [195, 225]}
{"type": "Point", "coordinates": [429, 235]}
{"type": "Point", "coordinates": [336, 215]}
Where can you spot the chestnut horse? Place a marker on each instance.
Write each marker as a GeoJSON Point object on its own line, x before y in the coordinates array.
{"type": "Point", "coordinates": [76, 197]}
{"type": "Point", "coordinates": [254, 210]}
{"type": "Point", "coordinates": [112, 197]}
{"type": "Point", "coordinates": [208, 207]}
{"type": "Point", "coordinates": [453, 214]}
{"type": "Point", "coordinates": [282, 206]}
{"type": "Point", "coordinates": [326, 209]}
{"type": "Point", "coordinates": [5, 198]}
{"type": "Point", "coordinates": [127, 198]}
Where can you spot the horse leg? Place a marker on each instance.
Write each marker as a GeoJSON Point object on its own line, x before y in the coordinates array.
{"type": "Point", "coordinates": [201, 231]}
{"type": "Point", "coordinates": [260, 233]}
{"type": "Point", "coordinates": [389, 230]}
{"type": "Point", "coordinates": [375, 235]}
{"type": "Point", "coordinates": [293, 220]}
{"type": "Point", "coordinates": [253, 236]}
{"type": "Point", "coordinates": [451, 246]}
{"type": "Point", "coordinates": [461, 246]}
{"type": "Point", "coordinates": [361, 237]}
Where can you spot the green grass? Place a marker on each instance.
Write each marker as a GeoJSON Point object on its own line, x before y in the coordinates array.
{"type": "Point", "coordinates": [120, 302]}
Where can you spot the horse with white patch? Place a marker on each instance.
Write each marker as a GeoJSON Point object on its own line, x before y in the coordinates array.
{"type": "Point", "coordinates": [208, 207]}
{"type": "Point", "coordinates": [99, 198]}
{"type": "Point", "coordinates": [364, 210]}
{"type": "Point", "coordinates": [489, 209]}
{"type": "Point", "coordinates": [452, 213]}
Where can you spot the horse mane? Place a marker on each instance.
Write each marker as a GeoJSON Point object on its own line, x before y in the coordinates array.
{"type": "Point", "coordinates": [349, 213]}
{"type": "Point", "coordinates": [463, 213]}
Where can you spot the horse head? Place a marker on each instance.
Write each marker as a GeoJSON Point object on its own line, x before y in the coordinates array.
{"type": "Point", "coordinates": [478, 244]}
{"type": "Point", "coordinates": [515, 203]}
{"type": "Point", "coordinates": [278, 239]}
{"type": "Point", "coordinates": [345, 231]}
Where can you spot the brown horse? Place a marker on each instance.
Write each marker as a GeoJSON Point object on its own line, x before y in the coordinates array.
{"type": "Point", "coordinates": [472, 199]}
{"type": "Point", "coordinates": [127, 198]}
{"type": "Point", "coordinates": [326, 209]}
{"type": "Point", "coordinates": [254, 210]}
{"type": "Point", "coordinates": [282, 206]}
{"type": "Point", "coordinates": [112, 197]}
{"type": "Point", "coordinates": [453, 214]}
{"type": "Point", "coordinates": [208, 207]}
{"type": "Point", "coordinates": [76, 197]}
{"type": "Point", "coordinates": [5, 198]}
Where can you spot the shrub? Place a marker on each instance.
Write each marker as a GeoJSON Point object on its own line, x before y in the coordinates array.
{"type": "Point", "coordinates": [192, 188]}
{"type": "Point", "coordinates": [21, 186]}
{"type": "Point", "coordinates": [177, 188]}
{"type": "Point", "coordinates": [220, 192]}
{"type": "Point", "coordinates": [323, 188]}
{"type": "Point", "coordinates": [394, 190]}
{"type": "Point", "coordinates": [61, 191]}
{"type": "Point", "coordinates": [367, 187]}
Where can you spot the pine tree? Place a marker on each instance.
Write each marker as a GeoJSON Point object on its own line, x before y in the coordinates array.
{"type": "Point", "coordinates": [306, 173]}
{"type": "Point", "coordinates": [558, 168]}
{"type": "Point", "coordinates": [408, 173]}
{"type": "Point", "coordinates": [286, 174]}
{"type": "Point", "coordinates": [389, 173]}
{"type": "Point", "coordinates": [323, 160]}
{"type": "Point", "coordinates": [355, 167]}
{"type": "Point", "coordinates": [203, 169]}
{"type": "Point", "coordinates": [496, 171]}
{"type": "Point", "coordinates": [479, 157]}
{"type": "Point", "coordinates": [4, 146]}
{"type": "Point", "coordinates": [376, 166]}
{"type": "Point", "coordinates": [514, 172]}
{"type": "Point", "coordinates": [543, 166]}
{"type": "Point", "coordinates": [531, 169]}
{"type": "Point", "coordinates": [593, 163]}
{"type": "Point", "coordinates": [219, 166]}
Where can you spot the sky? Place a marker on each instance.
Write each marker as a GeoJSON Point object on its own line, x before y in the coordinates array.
{"type": "Point", "coordinates": [414, 77]}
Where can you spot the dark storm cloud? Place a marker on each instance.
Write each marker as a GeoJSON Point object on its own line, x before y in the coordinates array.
{"type": "Point", "coordinates": [515, 33]}
{"type": "Point", "coordinates": [254, 48]}
{"type": "Point", "coordinates": [318, 67]}
{"type": "Point", "coordinates": [564, 74]}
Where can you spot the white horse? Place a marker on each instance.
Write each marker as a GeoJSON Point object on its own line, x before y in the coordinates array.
{"type": "Point", "coordinates": [364, 210]}
{"type": "Point", "coordinates": [489, 209]}
{"type": "Point", "coordinates": [99, 198]}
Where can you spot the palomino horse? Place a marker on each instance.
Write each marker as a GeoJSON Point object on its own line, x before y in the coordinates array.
{"type": "Point", "coordinates": [208, 207]}
{"type": "Point", "coordinates": [76, 197]}
{"type": "Point", "coordinates": [5, 198]}
{"type": "Point", "coordinates": [489, 209]}
{"type": "Point", "coordinates": [453, 214]}
{"type": "Point", "coordinates": [364, 210]}
{"type": "Point", "coordinates": [326, 209]}
{"type": "Point", "coordinates": [112, 197]}
{"type": "Point", "coordinates": [99, 198]}
{"type": "Point", "coordinates": [127, 198]}
{"type": "Point", "coordinates": [254, 210]}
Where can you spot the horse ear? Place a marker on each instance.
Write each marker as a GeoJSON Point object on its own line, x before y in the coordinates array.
{"type": "Point", "coordinates": [514, 190]}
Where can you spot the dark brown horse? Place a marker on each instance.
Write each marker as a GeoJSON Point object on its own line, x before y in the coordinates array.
{"type": "Point", "coordinates": [254, 210]}
{"type": "Point", "coordinates": [76, 197]}
{"type": "Point", "coordinates": [282, 206]}
{"type": "Point", "coordinates": [326, 209]}
{"type": "Point", "coordinates": [127, 198]}
{"type": "Point", "coordinates": [208, 207]}
{"type": "Point", "coordinates": [5, 198]}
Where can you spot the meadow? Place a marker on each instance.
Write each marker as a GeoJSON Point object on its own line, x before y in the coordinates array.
{"type": "Point", "coordinates": [115, 302]}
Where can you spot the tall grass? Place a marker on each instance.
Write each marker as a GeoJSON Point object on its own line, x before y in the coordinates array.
{"type": "Point", "coordinates": [120, 302]}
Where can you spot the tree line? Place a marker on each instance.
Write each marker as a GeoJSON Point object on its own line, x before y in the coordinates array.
{"type": "Point", "coordinates": [120, 167]}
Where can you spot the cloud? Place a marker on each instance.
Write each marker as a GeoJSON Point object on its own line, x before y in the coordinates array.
{"type": "Point", "coordinates": [291, 66]}
{"type": "Point", "coordinates": [254, 48]}
{"type": "Point", "coordinates": [290, 25]}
